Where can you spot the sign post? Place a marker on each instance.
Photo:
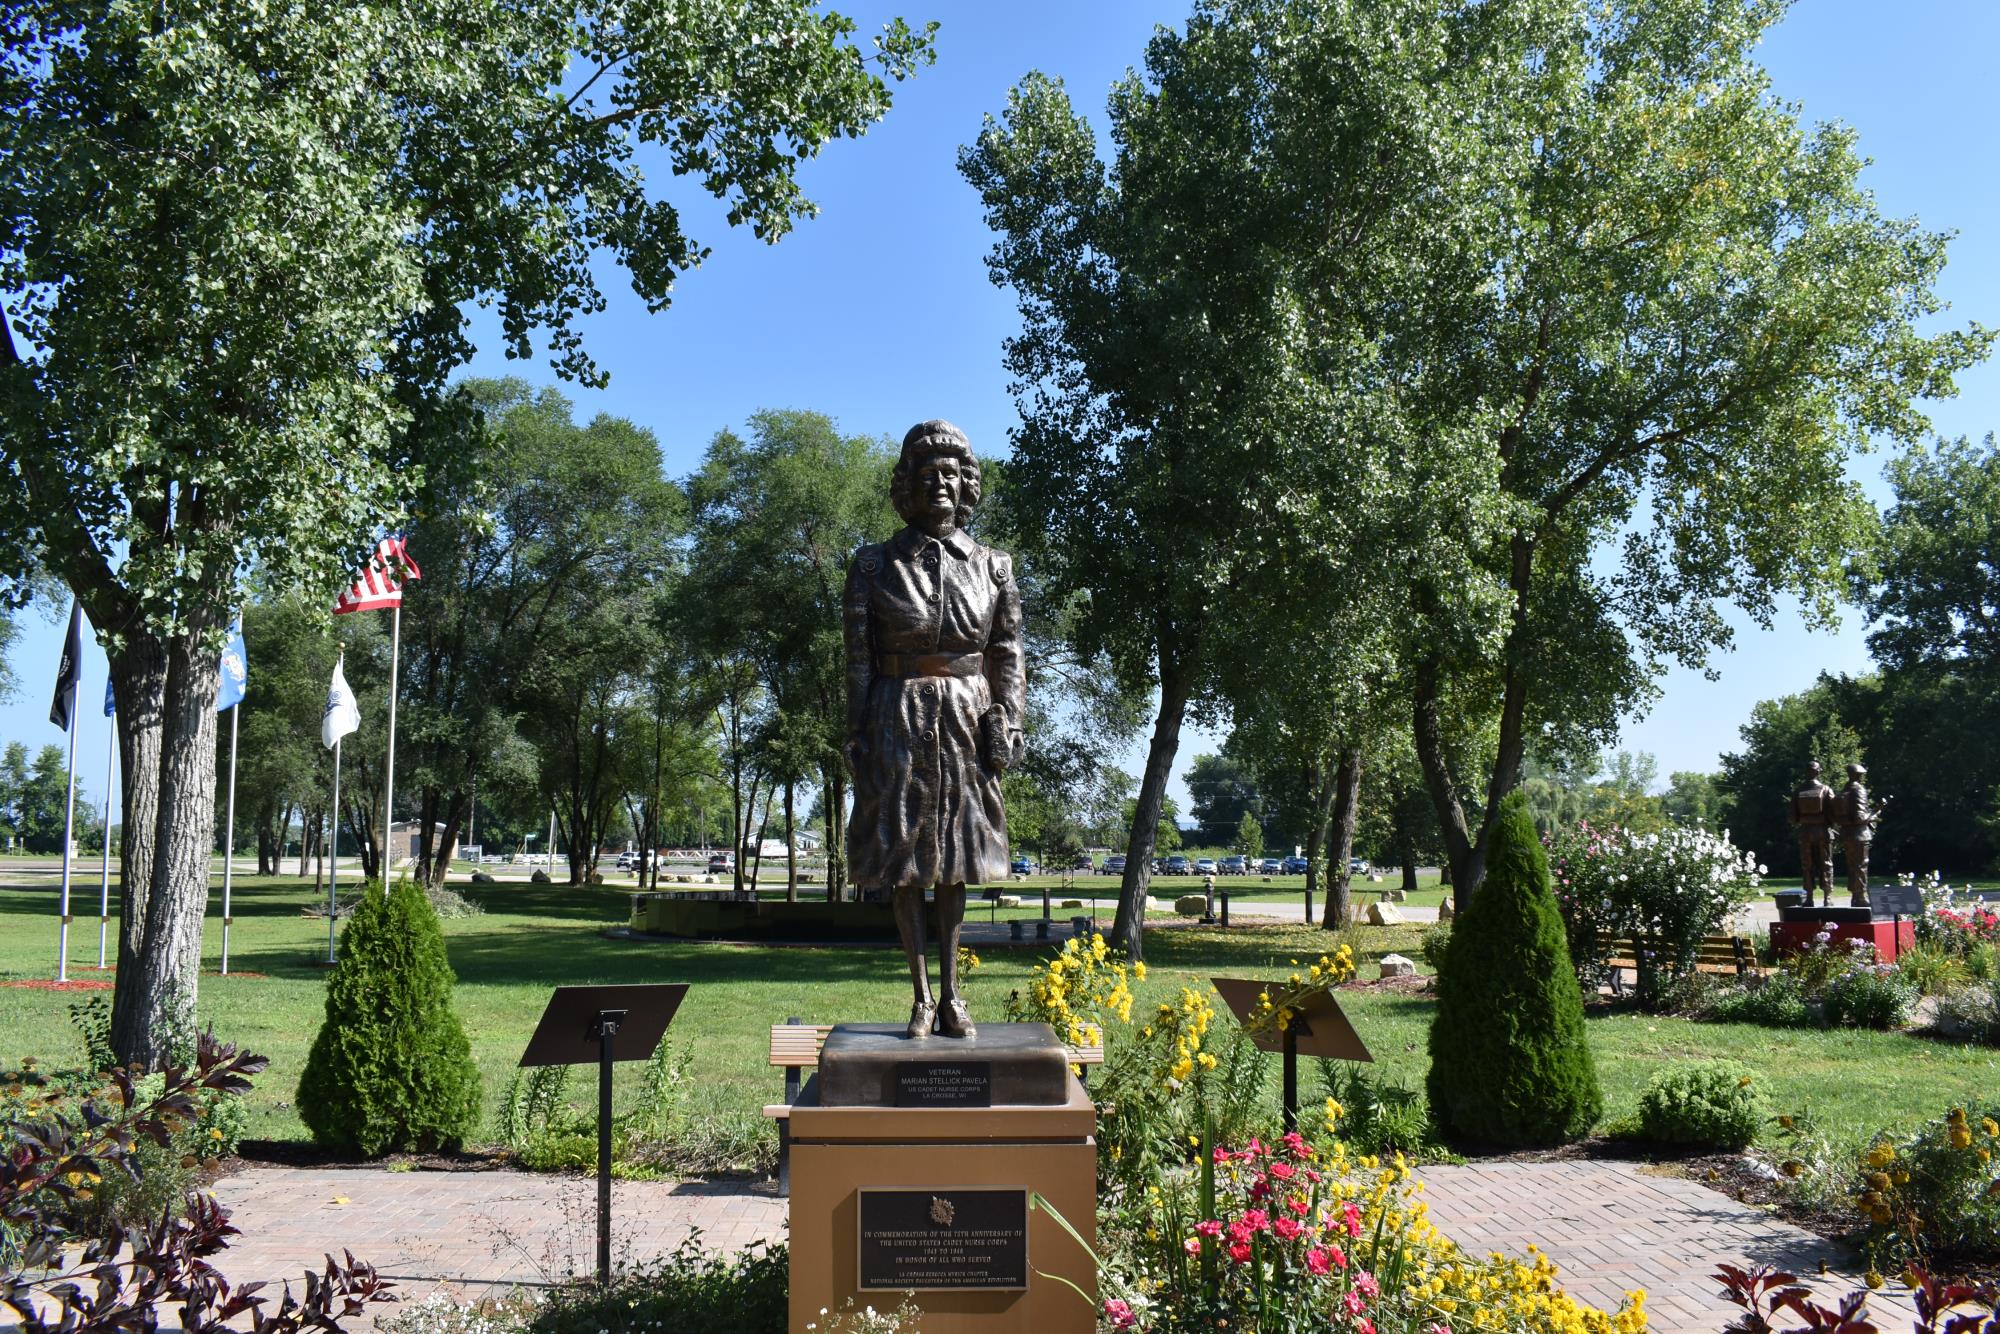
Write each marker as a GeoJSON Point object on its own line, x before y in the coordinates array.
{"type": "Point", "coordinates": [582, 1025]}
{"type": "Point", "coordinates": [1317, 1028]}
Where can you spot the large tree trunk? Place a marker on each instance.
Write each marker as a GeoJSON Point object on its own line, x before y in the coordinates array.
{"type": "Point", "coordinates": [1322, 775]}
{"type": "Point", "coordinates": [1128, 927]}
{"type": "Point", "coordinates": [1346, 813]}
{"type": "Point", "coordinates": [1464, 857]}
{"type": "Point", "coordinates": [791, 850]}
{"type": "Point", "coordinates": [154, 999]}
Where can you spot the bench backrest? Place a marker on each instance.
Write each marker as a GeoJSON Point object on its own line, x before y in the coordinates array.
{"type": "Point", "coordinates": [797, 1046]}
{"type": "Point", "coordinates": [1725, 949]}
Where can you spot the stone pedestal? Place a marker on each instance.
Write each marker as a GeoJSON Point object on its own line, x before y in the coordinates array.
{"type": "Point", "coordinates": [933, 1196]}
{"type": "Point", "coordinates": [1796, 928]}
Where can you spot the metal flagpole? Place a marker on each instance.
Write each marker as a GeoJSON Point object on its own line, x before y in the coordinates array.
{"type": "Point", "coordinates": [69, 828]}
{"type": "Point", "coordinates": [229, 834]}
{"type": "Point", "coordinates": [333, 873]}
{"type": "Point", "coordinates": [104, 882]}
{"type": "Point", "coordinates": [389, 766]}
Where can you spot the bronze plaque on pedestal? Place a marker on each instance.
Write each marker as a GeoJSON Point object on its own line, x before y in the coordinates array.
{"type": "Point", "coordinates": [959, 1084]}
{"type": "Point", "coordinates": [957, 1238]}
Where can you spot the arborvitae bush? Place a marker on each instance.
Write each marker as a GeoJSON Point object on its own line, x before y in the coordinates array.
{"type": "Point", "coordinates": [391, 1070]}
{"type": "Point", "coordinates": [1509, 1061]}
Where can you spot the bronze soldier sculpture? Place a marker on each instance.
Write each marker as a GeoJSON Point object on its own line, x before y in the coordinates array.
{"type": "Point", "coordinates": [935, 694]}
{"type": "Point", "coordinates": [1857, 832]}
{"type": "Point", "coordinates": [1811, 812]}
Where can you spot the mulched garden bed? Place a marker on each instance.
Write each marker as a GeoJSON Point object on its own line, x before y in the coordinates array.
{"type": "Point", "coordinates": [50, 984]}
{"type": "Point", "coordinates": [303, 1153]}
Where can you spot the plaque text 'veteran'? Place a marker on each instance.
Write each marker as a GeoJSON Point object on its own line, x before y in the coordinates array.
{"type": "Point", "coordinates": [943, 1238]}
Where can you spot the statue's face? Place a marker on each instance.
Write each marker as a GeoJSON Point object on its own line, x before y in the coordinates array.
{"type": "Point", "coordinates": [939, 480]}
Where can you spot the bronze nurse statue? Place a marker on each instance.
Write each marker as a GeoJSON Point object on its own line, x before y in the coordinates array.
{"type": "Point", "coordinates": [935, 694]}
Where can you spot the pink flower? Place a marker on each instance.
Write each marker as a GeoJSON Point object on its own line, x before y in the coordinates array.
{"type": "Point", "coordinates": [1256, 1219]}
{"type": "Point", "coordinates": [1365, 1326]}
{"type": "Point", "coordinates": [1239, 1251]}
{"type": "Point", "coordinates": [1288, 1229]}
{"type": "Point", "coordinates": [1220, 1155]}
{"type": "Point", "coordinates": [1366, 1282]}
{"type": "Point", "coordinates": [1353, 1302]}
{"type": "Point", "coordinates": [1338, 1256]}
{"type": "Point", "coordinates": [1317, 1262]}
{"type": "Point", "coordinates": [1351, 1218]}
{"type": "Point", "coordinates": [1119, 1313]}
{"type": "Point", "coordinates": [1295, 1144]}
{"type": "Point", "coordinates": [1283, 1171]}
{"type": "Point", "coordinates": [1254, 1149]}
{"type": "Point", "coordinates": [1209, 1227]}
{"type": "Point", "coordinates": [1298, 1205]}
{"type": "Point", "coordinates": [1438, 1327]}
{"type": "Point", "coordinates": [1192, 1245]}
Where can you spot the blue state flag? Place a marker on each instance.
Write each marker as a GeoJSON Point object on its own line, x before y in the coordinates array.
{"type": "Point", "coordinates": [110, 698]}
{"type": "Point", "coordinates": [235, 670]}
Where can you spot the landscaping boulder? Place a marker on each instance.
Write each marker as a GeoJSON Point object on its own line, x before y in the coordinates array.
{"type": "Point", "coordinates": [1445, 911]}
{"type": "Point", "coordinates": [540, 877]}
{"type": "Point", "coordinates": [1070, 903]}
{"type": "Point", "coordinates": [481, 878]}
{"type": "Point", "coordinates": [1384, 914]}
{"type": "Point", "coordinates": [1191, 905]}
{"type": "Point", "coordinates": [1009, 900]}
{"type": "Point", "coordinates": [1396, 965]}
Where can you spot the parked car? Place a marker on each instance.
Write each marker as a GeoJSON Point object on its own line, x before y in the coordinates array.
{"type": "Point", "coordinates": [718, 863]}
{"type": "Point", "coordinates": [1295, 866]}
{"type": "Point", "coordinates": [1358, 865]}
{"type": "Point", "coordinates": [1022, 866]}
{"type": "Point", "coordinates": [1179, 865]}
{"type": "Point", "coordinates": [1083, 863]}
{"type": "Point", "coordinates": [1270, 866]}
{"type": "Point", "coordinates": [1204, 866]}
{"type": "Point", "coordinates": [1233, 866]}
{"type": "Point", "coordinates": [1115, 864]}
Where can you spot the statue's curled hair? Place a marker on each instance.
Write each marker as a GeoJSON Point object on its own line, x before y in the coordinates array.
{"type": "Point", "coordinates": [928, 440]}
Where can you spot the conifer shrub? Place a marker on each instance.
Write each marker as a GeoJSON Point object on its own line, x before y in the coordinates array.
{"type": "Point", "coordinates": [391, 1070]}
{"type": "Point", "coordinates": [1510, 1065]}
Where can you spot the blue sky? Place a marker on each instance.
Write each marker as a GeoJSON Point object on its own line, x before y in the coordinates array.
{"type": "Point", "coordinates": [879, 311]}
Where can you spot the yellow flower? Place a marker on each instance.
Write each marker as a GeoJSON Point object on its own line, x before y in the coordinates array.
{"type": "Point", "coordinates": [1139, 971]}
{"type": "Point", "coordinates": [1991, 1127]}
{"type": "Point", "coordinates": [1873, 1278]}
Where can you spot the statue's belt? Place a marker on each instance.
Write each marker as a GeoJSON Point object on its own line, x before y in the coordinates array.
{"type": "Point", "coordinates": [906, 665]}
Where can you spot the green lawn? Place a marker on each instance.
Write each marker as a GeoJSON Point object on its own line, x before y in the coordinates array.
{"type": "Point", "coordinates": [533, 937]}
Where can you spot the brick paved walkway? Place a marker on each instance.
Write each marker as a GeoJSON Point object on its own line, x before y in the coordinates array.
{"type": "Point", "coordinates": [1608, 1226]}
{"type": "Point", "coordinates": [1611, 1227]}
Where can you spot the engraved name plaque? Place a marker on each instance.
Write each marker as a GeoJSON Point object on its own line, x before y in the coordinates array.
{"type": "Point", "coordinates": [934, 1084]}
{"type": "Point", "coordinates": [944, 1238]}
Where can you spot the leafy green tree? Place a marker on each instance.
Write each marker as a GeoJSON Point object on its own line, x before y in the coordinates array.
{"type": "Point", "coordinates": [283, 773]}
{"type": "Point", "coordinates": [1693, 799]}
{"type": "Point", "coordinates": [32, 797]}
{"type": "Point", "coordinates": [1249, 836]}
{"type": "Point", "coordinates": [777, 517]}
{"type": "Point", "coordinates": [1191, 360]}
{"type": "Point", "coordinates": [236, 249]}
{"type": "Point", "coordinates": [1679, 314]}
{"type": "Point", "coordinates": [391, 1068]}
{"type": "Point", "coordinates": [1224, 793]}
{"type": "Point", "coordinates": [1510, 1062]}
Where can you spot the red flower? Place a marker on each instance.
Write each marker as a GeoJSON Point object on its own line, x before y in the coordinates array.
{"type": "Point", "coordinates": [1221, 1155]}
{"type": "Point", "coordinates": [1296, 1145]}
{"type": "Point", "coordinates": [1209, 1227]}
{"type": "Point", "coordinates": [1338, 1256]}
{"type": "Point", "coordinates": [1351, 1217]}
{"type": "Point", "coordinates": [1317, 1261]}
{"type": "Point", "coordinates": [1283, 1171]}
{"type": "Point", "coordinates": [1299, 1205]}
{"type": "Point", "coordinates": [1239, 1251]}
{"type": "Point", "coordinates": [1256, 1219]}
{"type": "Point", "coordinates": [1288, 1229]}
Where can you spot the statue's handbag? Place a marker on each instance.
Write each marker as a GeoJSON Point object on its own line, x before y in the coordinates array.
{"type": "Point", "coordinates": [995, 748]}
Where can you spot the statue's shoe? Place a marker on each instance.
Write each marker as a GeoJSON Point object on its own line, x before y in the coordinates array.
{"type": "Point", "coordinates": [955, 1021]}
{"type": "Point", "coordinates": [921, 1016]}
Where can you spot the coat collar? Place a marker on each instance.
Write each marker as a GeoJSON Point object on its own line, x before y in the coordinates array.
{"type": "Point", "coordinates": [912, 540]}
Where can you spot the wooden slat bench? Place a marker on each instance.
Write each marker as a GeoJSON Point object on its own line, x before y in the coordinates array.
{"type": "Point", "coordinates": [1716, 954]}
{"type": "Point", "coordinates": [795, 1049]}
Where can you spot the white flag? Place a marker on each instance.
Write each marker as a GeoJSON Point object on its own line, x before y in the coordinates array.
{"type": "Point", "coordinates": [341, 716]}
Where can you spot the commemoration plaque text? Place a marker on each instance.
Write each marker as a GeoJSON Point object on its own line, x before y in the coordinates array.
{"type": "Point", "coordinates": [938, 1084]}
{"type": "Point", "coordinates": [944, 1237]}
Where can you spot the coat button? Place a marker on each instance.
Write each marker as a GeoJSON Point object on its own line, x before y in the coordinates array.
{"type": "Point", "coordinates": [934, 597]}
{"type": "Point", "coordinates": [929, 735]}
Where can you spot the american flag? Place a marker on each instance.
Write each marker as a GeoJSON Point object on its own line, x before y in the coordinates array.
{"type": "Point", "coordinates": [381, 584]}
